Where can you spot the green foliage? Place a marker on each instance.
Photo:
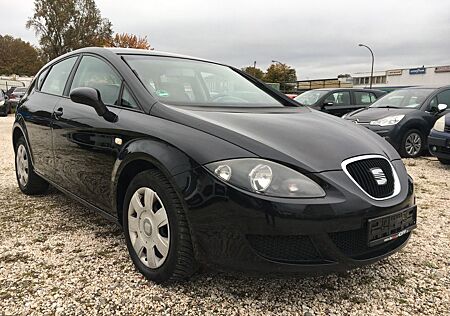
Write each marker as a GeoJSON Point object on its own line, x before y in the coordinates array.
{"type": "Point", "coordinates": [253, 71]}
{"type": "Point", "coordinates": [281, 73]}
{"type": "Point", "coordinates": [18, 57]}
{"type": "Point", "coordinates": [66, 25]}
{"type": "Point", "coordinates": [127, 40]}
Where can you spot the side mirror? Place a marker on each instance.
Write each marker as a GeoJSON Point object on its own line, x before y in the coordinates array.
{"type": "Point", "coordinates": [326, 103]}
{"type": "Point", "coordinates": [441, 107]}
{"type": "Point", "coordinates": [92, 97]}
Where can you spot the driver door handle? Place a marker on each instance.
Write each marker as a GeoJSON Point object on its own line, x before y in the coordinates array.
{"type": "Point", "coordinates": [58, 113]}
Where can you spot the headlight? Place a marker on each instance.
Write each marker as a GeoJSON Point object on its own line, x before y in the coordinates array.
{"type": "Point", "coordinates": [266, 177]}
{"type": "Point", "coordinates": [440, 124]}
{"type": "Point", "coordinates": [390, 120]}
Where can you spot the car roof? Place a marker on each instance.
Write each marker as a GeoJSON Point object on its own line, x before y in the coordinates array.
{"type": "Point", "coordinates": [135, 51]}
{"type": "Point", "coordinates": [355, 89]}
{"type": "Point", "coordinates": [124, 51]}
{"type": "Point", "coordinates": [428, 87]}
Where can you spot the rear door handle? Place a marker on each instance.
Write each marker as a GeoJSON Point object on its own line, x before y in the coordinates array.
{"type": "Point", "coordinates": [58, 113]}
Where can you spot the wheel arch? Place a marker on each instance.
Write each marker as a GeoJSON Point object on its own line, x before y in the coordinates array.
{"type": "Point", "coordinates": [146, 154]}
{"type": "Point", "coordinates": [20, 130]}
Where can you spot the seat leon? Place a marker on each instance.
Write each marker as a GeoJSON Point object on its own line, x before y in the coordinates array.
{"type": "Point", "coordinates": [203, 164]}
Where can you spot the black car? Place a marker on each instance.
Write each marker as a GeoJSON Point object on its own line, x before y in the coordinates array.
{"type": "Point", "coordinates": [405, 117]}
{"type": "Point", "coordinates": [5, 107]}
{"type": "Point", "coordinates": [439, 139]}
{"type": "Point", "coordinates": [15, 96]}
{"type": "Point", "coordinates": [201, 163]}
{"type": "Point", "coordinates": [339, 101]}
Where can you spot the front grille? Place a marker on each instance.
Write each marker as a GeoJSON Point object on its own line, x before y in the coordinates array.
{"type": "Point", "coordinates": [363, 172]}
{"type": "Point", "coordinates": [295, 249]}
{"type": "Point", "coordinates": [447, 128]}
{"type": "Point", "coordinates": [353, 243]}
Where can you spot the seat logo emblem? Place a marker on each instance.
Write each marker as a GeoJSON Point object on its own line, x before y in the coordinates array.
{"type": "Point", "coordinates": [379, 176]}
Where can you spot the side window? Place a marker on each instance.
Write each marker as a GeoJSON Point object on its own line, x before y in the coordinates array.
{"type": "Point", "coordinates": [41, 78]}
{"type": "Point", "coordinates": [128, 100]}
{"type": "Point", "coordinates": [433, 104]}
{"type": "Point", "coordinates": [57, 78]}
{"type": "Point", "coordinates": [444, 97]}
{"type": "Point", "coordinates": [339, 98]}
{"type": "Point", "coordinates": [95, 73]}
{"type": "Point", "coordinates": [364, 97]}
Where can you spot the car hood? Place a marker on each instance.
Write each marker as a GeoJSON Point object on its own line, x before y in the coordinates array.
{"type": "Point", "coordinates": [366, 115]}
{"type": "Point", "coordinates": [310, 140]}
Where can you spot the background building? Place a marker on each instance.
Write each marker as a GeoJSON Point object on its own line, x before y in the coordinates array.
{"type": "Point", "coordinates": [404, 77]}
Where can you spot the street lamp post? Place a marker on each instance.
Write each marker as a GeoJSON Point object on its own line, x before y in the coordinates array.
{"type": "Point", "coordinates": [373, 61]}
{"type": "Point", "coordinates": [281, 64]}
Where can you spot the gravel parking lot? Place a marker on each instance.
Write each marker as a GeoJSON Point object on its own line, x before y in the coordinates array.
{"type": "Point", "coordinates": [57, 257]}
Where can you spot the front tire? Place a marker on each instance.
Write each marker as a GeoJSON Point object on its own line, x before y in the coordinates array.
{"type": "Point", "coordinates": [156, 230]}
{"type": "Point", "coordinates": [29, 182]}
{"type": "Point", "coordinates": [412, 144]}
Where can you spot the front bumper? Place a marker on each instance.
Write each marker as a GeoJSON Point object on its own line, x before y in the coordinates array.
{"type": "Point", "coordinates": [389, 133]}
{"type": "Point", "coordinates": [439, 144]}
{"type": "Point", "coordinates": [242, 231]}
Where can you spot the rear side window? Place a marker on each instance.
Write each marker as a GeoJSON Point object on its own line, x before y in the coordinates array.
{"type": "Point", "coordinates": [57, 78]}
{"type": "Point", "coordinates": [364, 97]}
{"type": "Point", "coordinates": [41, 78]}
{"type": "Point", "coordinates": [95, 73]}
{"type": "Point", "coordinates": [339, 98]}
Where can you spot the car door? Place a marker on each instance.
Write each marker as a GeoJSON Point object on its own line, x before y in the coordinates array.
{"type": "Point", "coordinates": [432, 112]}
{"type": "Point", "coordinates": [37, 109]}
{"type": "Point", "coordinates": [337, 103]}
{"type": "Point", "coordinates": [85, 144]}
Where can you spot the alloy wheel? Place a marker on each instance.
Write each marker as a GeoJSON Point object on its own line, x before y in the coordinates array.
{"type": "Point", "coordinates": [22, 165]}
{"type": "Point", "coordinates": [413, 144]}
{"type": "Point", "coordinates": [148, 227]}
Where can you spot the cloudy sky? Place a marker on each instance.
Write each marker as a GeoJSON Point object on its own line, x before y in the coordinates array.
{"type": "Point", "coordinates": [318, 38]}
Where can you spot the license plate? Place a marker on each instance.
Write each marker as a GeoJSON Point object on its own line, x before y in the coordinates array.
{"type": "Point", "coordinates": [392, 226]}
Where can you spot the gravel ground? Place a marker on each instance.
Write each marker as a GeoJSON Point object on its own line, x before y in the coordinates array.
{"type": "Point", "coordinates": [59, 258]}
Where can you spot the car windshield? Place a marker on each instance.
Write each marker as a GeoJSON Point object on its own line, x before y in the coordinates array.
{"type": "Point", "coordinates": [403, 98]}
{"type": "Point", "coordinates": [186, 82]}
{"type": "Point", "coordinates": [310, 97]}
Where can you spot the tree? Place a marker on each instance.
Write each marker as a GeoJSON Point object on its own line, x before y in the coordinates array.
{"type": "Point", "coordinates": [130, 41]}
{"type": "Point", "coordinates": [281, 73]}
{"type": "Point", "coordinates": [18, 57]}
{"type": "Point", "coordinates": [253, 71]}
{"type": "Point", "coordinates": [65, 25]}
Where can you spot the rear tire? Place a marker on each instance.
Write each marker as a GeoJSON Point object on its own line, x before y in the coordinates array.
{"type": "Point", "coordinates": [156, 230]}
{"type": "Point", "coordinates": [29, 182]}
{"type": "Point", "coordinates": [412, 144]}
{"type": "Point", "coordinates": [444, 161]}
